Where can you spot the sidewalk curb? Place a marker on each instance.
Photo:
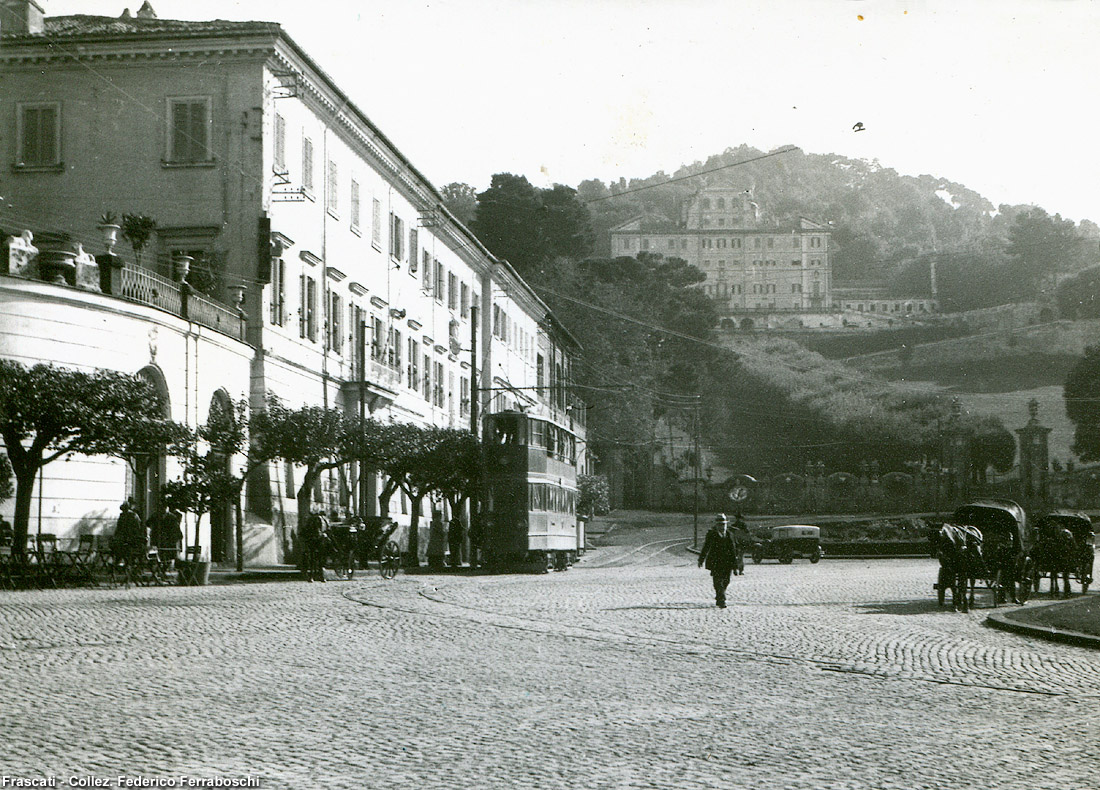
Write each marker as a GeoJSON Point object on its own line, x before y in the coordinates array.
{"type": "Point", "coordinates": [1050, 633]}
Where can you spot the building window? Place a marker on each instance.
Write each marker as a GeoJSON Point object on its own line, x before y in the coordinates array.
{"type": "Point", "coordinates": [397, 237]}
{"type": "Point", "coordinates": [307, 311]}
{"type": "Point", "coordinates": [376, 224]}
{"type": "Point", "coordinates": [672, 244]}
{"type": "Point", "coordinates": [796, 288]}
{"type": "Point", "coordinates": [645, 244]}
{"type": "Point", "coordinates": [464, 396]}
{"type": "Point", "coordinates": [414, 250]}
{"type": "Point", "coordinates": [735, 243]}
{"type": "Point", "coordinates": [278, 291]}
{"type": "Point", "coordinates": [437, 385]}
{"type": "Point", "coordinates": [354, 218]}
{"type": "Point", "coordinates": [377, 338]}
{"type": "Point", "coordinates": [815, 242]}
{"type": "Point", "coordinates": [464, 304]}
{"type": "Point", "coordinates": [721, 204]}
{"type": "Point", "coordinates": [331, 190]}
{"type": "Point", "coordinates": [427, 392]}
{"type": "Point", "coordinates": [280, 143]}
{"type": "Point", "coordinates": [706, 203]}
{"type": "Point", "coordinates": [721, 222]}
{"type": "Point", "coordinates": [796, 263]}
{"type": "Point", "coordinates": [437, 290]}
{"type": "Point", "coordinates": [189, 130]}
{"type": "Point", "coordinates": [452, 291]}
{"type": "Point", "coordinates": [307, 164]}
{"type": "Point", "coordinates": [756, 243]}
{"type": "Point", "coordinates": [335, 323]}
{"type": "Point", "coordinates": [683, 244]}
{"type": "Point", "coordinates": [771, 242]}
{"type": "Point", "coordinates": [426, 265]}
{"type": "Point", "coordinates": [414, 364]}
{"type": "Point", "coordinates": [796, 243]}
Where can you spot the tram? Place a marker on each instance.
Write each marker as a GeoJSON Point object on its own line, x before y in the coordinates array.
{"type": "Point", "coordinates": [530, 495]}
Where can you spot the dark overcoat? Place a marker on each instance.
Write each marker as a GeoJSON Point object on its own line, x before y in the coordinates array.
{"type": "Point", "coordinates": [719, 552]}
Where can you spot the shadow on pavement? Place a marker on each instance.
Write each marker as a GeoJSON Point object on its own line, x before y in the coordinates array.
{"type": "Point", "coordinates": [686, 605]}
{"type": "Point", "coordinates": [902, 607]}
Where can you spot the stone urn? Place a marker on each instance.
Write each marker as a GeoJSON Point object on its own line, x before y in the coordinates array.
{"type": "Point", "coordinates": [182, 267]}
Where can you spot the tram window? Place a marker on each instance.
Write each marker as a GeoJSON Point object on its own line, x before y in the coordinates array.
{"type": "Point", "coordinates": [538, 433]}
{"type": "Point", "coordinates": [550, 439]}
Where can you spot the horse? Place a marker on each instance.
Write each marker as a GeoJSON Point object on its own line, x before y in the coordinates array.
{"type": "Point", "coordinates": [959, 550]}
{"type": "Point", "coordinates": [1000, 565]}
{"type": "Point", "coordinates": [1056, 552]}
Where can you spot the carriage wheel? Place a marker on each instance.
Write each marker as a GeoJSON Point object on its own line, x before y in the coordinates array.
{"type": "Point", "coordinates": [390, 560]}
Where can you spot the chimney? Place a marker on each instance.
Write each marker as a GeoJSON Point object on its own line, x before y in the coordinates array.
{"type": "Point", "coordinates": [146, 11]}
{"type": "Point", "coordinates": [20, 17]}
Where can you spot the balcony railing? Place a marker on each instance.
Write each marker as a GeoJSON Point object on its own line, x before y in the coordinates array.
{"type": "Point", "coordinates": [146, 287]}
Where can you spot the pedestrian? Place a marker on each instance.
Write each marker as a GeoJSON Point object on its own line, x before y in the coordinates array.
{"type": "Point", "coordinates": [437, 541]}
{"type": "Point", "coordinates": [475, 544]}
{"type": "Point", "coordinates": [130, 541]}
{"type": "Point", "coordinates": [312, 560]}
{"type": "Point", "coordinates": [719, 555]}
{"type": "Point", "coordinates": [456, 540]}
{"type": "Point", "coordinates": [165, 533]}
{"type": "Point", "coordinates": [741, 538]}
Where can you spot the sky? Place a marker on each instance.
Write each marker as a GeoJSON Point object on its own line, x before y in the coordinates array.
{"type": "Point", "coordinates": [998, 96]}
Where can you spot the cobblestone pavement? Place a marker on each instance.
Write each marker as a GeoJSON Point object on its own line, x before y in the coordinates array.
{"type": "Point", "coordinates": [619, 673]}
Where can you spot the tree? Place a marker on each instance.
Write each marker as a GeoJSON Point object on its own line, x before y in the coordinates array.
{"type": "Point", "coordinates": [138, 229]}
{"type": "Point", "coordinates": [459, 457]}
{"type": "Point", "coordinates": [507, 221]}
{"type": "Point", "coordinates": [593, 496]}
{"type": "Point", "coordinates": [530, 227]}
{"type": "Point", "coordinates": [311, 436]}
{"type": "Point", "coordinates": [1041, 246]}
{"type": "Point", "coordinates": [6, 488]}
{"type": "Point", "coordinates": [418, 466]}
{"type": "Point", "coordinates": [461, 200]}
{"type": "Point", "coordinates": [49, 412]}
{"type": "Point", "coordinates": [1082, 396]}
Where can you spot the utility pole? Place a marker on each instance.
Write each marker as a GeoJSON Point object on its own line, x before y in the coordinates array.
{"type": "Point", "coordinates": [695, 518]}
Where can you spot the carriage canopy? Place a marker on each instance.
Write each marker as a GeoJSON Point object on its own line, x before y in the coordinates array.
{"type": "Point", "coordinates": [996, 518]}
{"type": "Point", "coordinates": [1075, 521]}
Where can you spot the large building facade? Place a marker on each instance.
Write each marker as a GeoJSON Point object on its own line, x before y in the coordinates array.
{"type": "Point", "coordinates": [360, 290]}
{"type": "Point", "coordinates": [749, 266]}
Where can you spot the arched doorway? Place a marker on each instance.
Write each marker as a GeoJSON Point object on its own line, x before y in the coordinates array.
{"type": "Point", "coordinates": [221, 514]}
{"type": "Point", "coordinates": [148, 472]}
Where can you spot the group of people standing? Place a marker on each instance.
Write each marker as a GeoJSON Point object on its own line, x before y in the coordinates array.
{"type": "Point", "coordinates": [133, 537]}
{"type": "Point", "coordinates": [723, 553]}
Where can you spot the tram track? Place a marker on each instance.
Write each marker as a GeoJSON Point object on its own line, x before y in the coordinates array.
{"type": "Point", "coordinates": [688, 647]}
{"type": "Point", "coordinates": [622, 559]}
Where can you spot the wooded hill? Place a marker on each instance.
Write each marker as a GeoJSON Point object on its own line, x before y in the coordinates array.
{"type": "Point", "coordinates": [768, 404]}
{"type": "Point", "coordinates": [886, 227]}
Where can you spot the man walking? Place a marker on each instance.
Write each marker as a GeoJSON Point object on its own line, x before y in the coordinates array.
{"type": "Point", "coordinates": [719, 554]}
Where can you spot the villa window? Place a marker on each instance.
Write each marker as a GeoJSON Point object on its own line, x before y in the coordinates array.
{"type": "Point", "coordinates": [189, 130]}
{"type": "Point", "coordinates": [39, 133]}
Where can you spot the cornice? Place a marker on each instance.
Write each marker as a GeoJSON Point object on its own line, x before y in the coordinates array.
{"type": "Point", "coordinates": [125, 51]}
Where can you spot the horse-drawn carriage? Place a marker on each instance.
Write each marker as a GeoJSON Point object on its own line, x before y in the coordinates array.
{"type": "Point", "coordinates": [988, 540]}
{"type": "Point", "coordinates": [353, 543]}
{"type": "Point", "coordinates": [1063, 546]}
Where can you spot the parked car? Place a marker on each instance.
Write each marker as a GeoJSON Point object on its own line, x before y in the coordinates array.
{"type": "Point", "coordinates": [788, 542]}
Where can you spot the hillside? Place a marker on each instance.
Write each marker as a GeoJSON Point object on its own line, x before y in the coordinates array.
{"type": "Point", "coordinates": [886, 227]}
